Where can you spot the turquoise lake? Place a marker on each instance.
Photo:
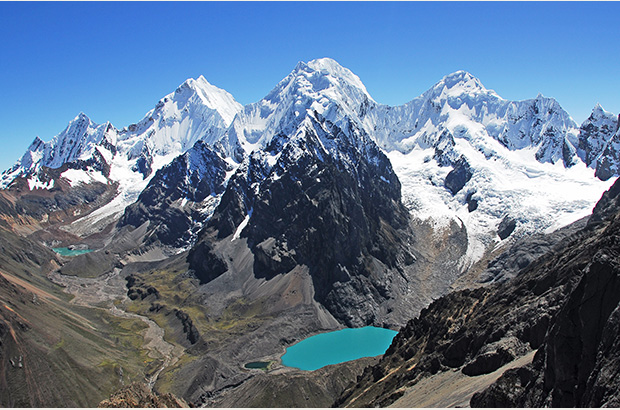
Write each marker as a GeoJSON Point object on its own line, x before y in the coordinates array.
{"type": "Point", "coordinates": [71, 252]}
{"type": "Point", "coordinates": [337, 347]}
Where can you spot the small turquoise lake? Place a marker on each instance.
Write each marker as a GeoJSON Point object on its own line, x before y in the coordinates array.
{"type": "Point", "coordinates": [338, 347]}
{"type": "Point", "coordinates": [71, 252]}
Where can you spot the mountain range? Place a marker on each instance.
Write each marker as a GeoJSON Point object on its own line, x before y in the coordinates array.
{"type": "Point", "coordinates": [240, 229]}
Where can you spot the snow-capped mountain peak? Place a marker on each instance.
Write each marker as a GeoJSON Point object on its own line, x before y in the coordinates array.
{"type": "Point", "coordinates": [211, 96]}
{"type": "Point", "coordinates": [196, 110]}
{"type": "Point", "coordinates": [598, 112]}
{"type": "Point", "coordinates": [77, 141]}
{"type": "Point", "coordinates": [321, 79]}
{"type": "Point", "coordinates": [599, 142]}
{"type": "Point", "coordinates": [322, 86]}
{"type": "Point", "coordinates": [337, 75]}
{"type": "Point", "coordinates": [461, 83]}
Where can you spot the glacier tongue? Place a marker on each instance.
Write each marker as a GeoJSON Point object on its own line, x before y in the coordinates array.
{"type": "Point", "coordinates": [539, 197]}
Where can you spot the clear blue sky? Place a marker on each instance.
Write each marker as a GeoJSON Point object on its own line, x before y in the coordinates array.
{"type": "Point", "coordinates": [114, 61]}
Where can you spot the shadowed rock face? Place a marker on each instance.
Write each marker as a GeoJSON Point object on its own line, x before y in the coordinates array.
{"type": "Point", "coordinates": [327, 220]}
{"type": "Point", "coordinates": [506, 227]}
{"type": "Point", "coordinates": [192, 177]}
{"type": "Point", "coordinates": [339, 214]}
{"type": "Point", "coordinates": [459, 176]}
{"type": "Point", "coordinates": [575, 364]}
{"type": "Point", "coordinates": [564, 304]}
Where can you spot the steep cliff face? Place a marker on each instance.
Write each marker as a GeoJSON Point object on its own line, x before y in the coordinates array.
{"type": "Point", "coordinates": [563, 306]}
{"type": "Point", "coordinates": [325, 198]}
{"type": "Point", "coordinates": [574, 367]}
{"type": "Point", "coordinates": [180, 197]}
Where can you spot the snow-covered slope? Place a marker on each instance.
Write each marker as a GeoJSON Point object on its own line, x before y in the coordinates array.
{"type": "Point", "coordinates": [512, 186]}
{"type": "Point", "coordinates": [465, 154]}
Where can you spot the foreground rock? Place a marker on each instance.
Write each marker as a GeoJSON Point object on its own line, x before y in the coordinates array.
{"type": "Point", "coordinates": [293, 388]}
{"type": "Point", "coordinates": [138, 395]}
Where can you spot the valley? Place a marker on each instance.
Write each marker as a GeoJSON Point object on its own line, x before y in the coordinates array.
{"type": "Point", "coordinates": [190, 250]}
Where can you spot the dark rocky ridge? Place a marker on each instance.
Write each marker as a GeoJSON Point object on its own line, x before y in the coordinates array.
{"type": "Point", "coordinates": [331, 202]}
{"type": "Point", "coordinates": [193, 177]}
{"type": "Point", "coordinates": [294, 388]}
{"type": "Point", "coordinates": [58, 203]}
{"type": "Point", "coordinates": [564, 305]}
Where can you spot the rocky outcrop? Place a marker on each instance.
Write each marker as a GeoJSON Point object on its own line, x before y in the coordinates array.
{"type": "Point", "coordinates": [138, 395]}
{"type": "Point", "coordinates": [525, 251]}
{"type": "Point", "coordinates": [506, 227]}
{"type": "Point", "coordinates": [458, 177]}
{"type": "Point", "coordinates": [205, 264]}
{"type": "Point", "coordinates": [188, 326]}
{"type": "Point", "coordinates": [607, 207]}
{"type": "Point", "coordinates": [137, 289]}
{"type": "Point", "coordinates": [293, 389]}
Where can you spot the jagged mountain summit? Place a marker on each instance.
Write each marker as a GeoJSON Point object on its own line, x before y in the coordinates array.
{"type": "Point", "coordinates": [196, 111]}
{"type": "Point", "coordinates": [459, 99]}
{"type": "Point", "coordinates": [599, 142]}
{"type": "Point", "coordinates": [125, 160]}
{"type": "Point", "coordinates": [78, 141]}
